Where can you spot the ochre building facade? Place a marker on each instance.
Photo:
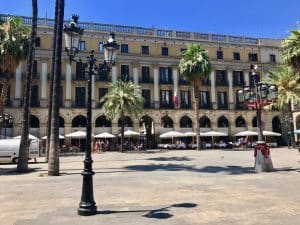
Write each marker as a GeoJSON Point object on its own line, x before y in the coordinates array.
{"type": "Point", "coordinates": [149, 57]}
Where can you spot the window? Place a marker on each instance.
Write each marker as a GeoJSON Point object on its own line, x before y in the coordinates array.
{"type": "Point", "coordinates": [101, 48]}
{"type": "Point", "coordinates": [80, 97]}
{"type": "Point", "coordinates": [185, 99]}
{"type": "Point", "coordinates": [34, 96]}
{"type": "Point", "coordinates": [145, 50]}
{"type": "Point", "coordinates": [81, 46]}
{"type": "Point", "coordinates": [124, 48]}
{"type": "Point", "coordinates": [35, 70]}
{"type": "Point", "coordinates": [182, 50]}
{"type": "Point", "coordinates": [164, 51]}
{"type": "Point", "coordinates": [272, 58]}
{"type": "Point", "coordinates": [252, 57]}
{"type": "Point", "coordinates": [222, 100]}
{"type": "Point", "coordinates": [146, 96]}
{"type": "Point", "coordinates": [165, 75]}
{"type": "Point", "coordinates": [125, 73]}
{"type": "Point", "coordinates": [38, 42]}
{"type": "Point", "coordinates": [102, 92]}
{"type": "Point", "coordinates": [145, 74]}
{"type": "Point", "coordinates": [204, 100]}
{"type": "Point", "coordinates": [236, 56]}
{"type": "Point", "coordinates": [221, 78]}
{"type": "Point", "coordinates": [79, 71]}
{"type": "Point", "coordinates": [238, 78]}
{"type": "Point", "coordinates": [219, 54]}
{"type": "Point", "coordinates": [166, 99]}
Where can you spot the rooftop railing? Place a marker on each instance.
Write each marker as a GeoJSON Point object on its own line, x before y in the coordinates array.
{"type": "Point", "coordinates": [152, 32]}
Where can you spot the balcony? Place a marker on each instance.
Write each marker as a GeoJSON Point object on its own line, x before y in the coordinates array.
{"type": "Point", "coordinates": [240, 106]}
{"type": "Point", "coordinates": [79, 105]}
{"type": "Point", "coordinates": [239, 84]}
{"type": "Point", "coordinates": [184, 82]}
{"type": "Point", "coordinates": [170, 81]}
{"type": "Point", "coordinates": [146, 80]}
{"type": "Point", "coordinates": [79, 77]}
{"type": "Point", "coordinates": [205, 106]}
{"type": "Point", "coordinates": [222, 83]}
{"type": "Point", "coordinates": [206, 82]}
{"type": "Point", "coordinates": [222, 106]}
{"type": "Point", "coordinates": [185, 106]}
{"type": "Point", "coordinates": [166, 105]}
{"type": "Point", "coordinates": [148, 105]}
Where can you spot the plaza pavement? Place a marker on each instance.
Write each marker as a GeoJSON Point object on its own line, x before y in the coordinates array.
{"type": "Point", "coordinates": [212, 187]}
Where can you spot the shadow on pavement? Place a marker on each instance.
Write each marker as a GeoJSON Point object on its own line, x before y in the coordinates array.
{"type": "Point", "coordinates": [171, 159]}
{"type": "Point", "coordinates": [13, 171]}
{"type": "Point", "coordinates": [180, 167]}
{"type": "Point", "coordinates": [162, 213]}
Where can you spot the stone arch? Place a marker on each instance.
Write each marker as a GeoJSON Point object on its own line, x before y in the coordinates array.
{"type": "Point", "coordinates": [61, 121]}
{"type": "Point", "coordinates": [240, 122]}
{"type": "Point", "coordinates": [254, 121]}
{"type": "Point", "coordinates": [102, 121]}
{"type": "Point", "coordinates": [276, 124]}
{"type": "Point", "coordinates": [223, 122]}
{"type": "Point", "coordinates": [204, 122]}
{"type": "Point", "coordinates": [34, 121]}
{"type": "Point", "coordinates": [127, 122]}
{"type": "Point", "coordinates": [79, 121]}
{"type": "Point", "coordinates": [298, 122]}
{"type": "Point", "coordinates": [167, 122]}
{"type": "Point", "coordinates": [186, 122]}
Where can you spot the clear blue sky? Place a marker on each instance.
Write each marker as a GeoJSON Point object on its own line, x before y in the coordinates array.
{"type": "Point", "coordinates": [255, 18]}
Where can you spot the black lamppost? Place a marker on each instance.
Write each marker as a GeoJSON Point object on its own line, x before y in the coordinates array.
{"type": "Point", "coordinates": [262, 95]}
{"type": "Point", "coordinates": [5, 120]}
{"type": "Point", "coordinates": [73, 32]}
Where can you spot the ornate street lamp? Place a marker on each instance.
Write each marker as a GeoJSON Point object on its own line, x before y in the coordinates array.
{"type": "Point", "coordinates": [5, 120]}
{"type": "Point", "coordinates": [87, 205]}
{"type": "Point", "coordinates": [263, 95]}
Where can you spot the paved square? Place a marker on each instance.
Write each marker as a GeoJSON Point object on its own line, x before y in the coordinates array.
{"type": "Point", "coordinates": [173, 187]}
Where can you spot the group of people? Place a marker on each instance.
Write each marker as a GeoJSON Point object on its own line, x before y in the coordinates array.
{"type": "Point", "coordinates": [101, 146]}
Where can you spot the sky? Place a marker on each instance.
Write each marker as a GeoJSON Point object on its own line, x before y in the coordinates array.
{"type": "Point", "coordinates": [254, 18]}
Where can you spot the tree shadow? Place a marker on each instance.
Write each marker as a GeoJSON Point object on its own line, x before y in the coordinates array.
{"type": "Point", "coordinates": [180, 167]}
{"type": "Point", "coordinates": [171, 159]}
{"type": "Point", "coordinates": [161, 213]}
{"type": "Point", "coordinates": [13, 171]}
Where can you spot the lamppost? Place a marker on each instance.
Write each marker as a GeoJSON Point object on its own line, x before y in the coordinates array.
{"type": "Point", "coordinates": [262, 95]}
{"type": "Point", "coordinates": [73, 32]}
{"type": "Point", "coordinates": [5, 120]}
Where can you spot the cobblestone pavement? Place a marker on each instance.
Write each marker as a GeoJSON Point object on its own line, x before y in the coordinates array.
{"type": "Point", "coordinates": [212, 187]}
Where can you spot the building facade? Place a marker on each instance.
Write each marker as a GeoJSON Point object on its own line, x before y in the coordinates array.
{"type": "Point", "coordinates": [149, 57]}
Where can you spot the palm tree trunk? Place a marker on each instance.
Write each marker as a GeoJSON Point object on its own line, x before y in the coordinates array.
{"type": "Point", "coordinates": [122, 130]}
{"type": "Point", "coordinates": [24, 146]}
{"type": "Point", "coordinates": [53, 164]}
{"type": "Point", "coordinates": [291, 123]}
{"type": "Point", "coordinates": [3, 95]}
{"type": "Point", "coordinates": [51, 86]}
{"type": "Point", "coordinates": [196, 104]}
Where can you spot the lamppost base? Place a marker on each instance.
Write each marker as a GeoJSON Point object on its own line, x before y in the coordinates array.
{"type": "Point", "coordinates": [87, 209]}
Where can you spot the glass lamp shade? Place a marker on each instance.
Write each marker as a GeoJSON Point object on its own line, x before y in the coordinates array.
{"type": "Point", "coordinates": [246, 92]}
{"type": "Point", "coordinates": [72, 36]}
{"type": "Point", "coordinates": [263, 91]}
{"type": "Point", "coordinates": [110, 50]}
{"type": "Point", "coordinates": [273, 92]}
{"type": "Point", "coordinates": [240, 95]}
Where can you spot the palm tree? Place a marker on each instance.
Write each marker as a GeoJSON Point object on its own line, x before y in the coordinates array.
{"type": "Point", "coordinates": [291, 50]}
{"type": "Point", "coordinates": [23, 151]}
{"type": "Point", "coordinates": [288, 83]}
{"type": "Point", "coordinates": [51, 86]}
{"type": "Point", "coordinates": [14, 48]}
{"type": "Point", "coordinates": [53, 163]}
{"type": "Point", "coordinates": [194, 67]}
{"type": "Point", "coordinates": [124, 99]}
